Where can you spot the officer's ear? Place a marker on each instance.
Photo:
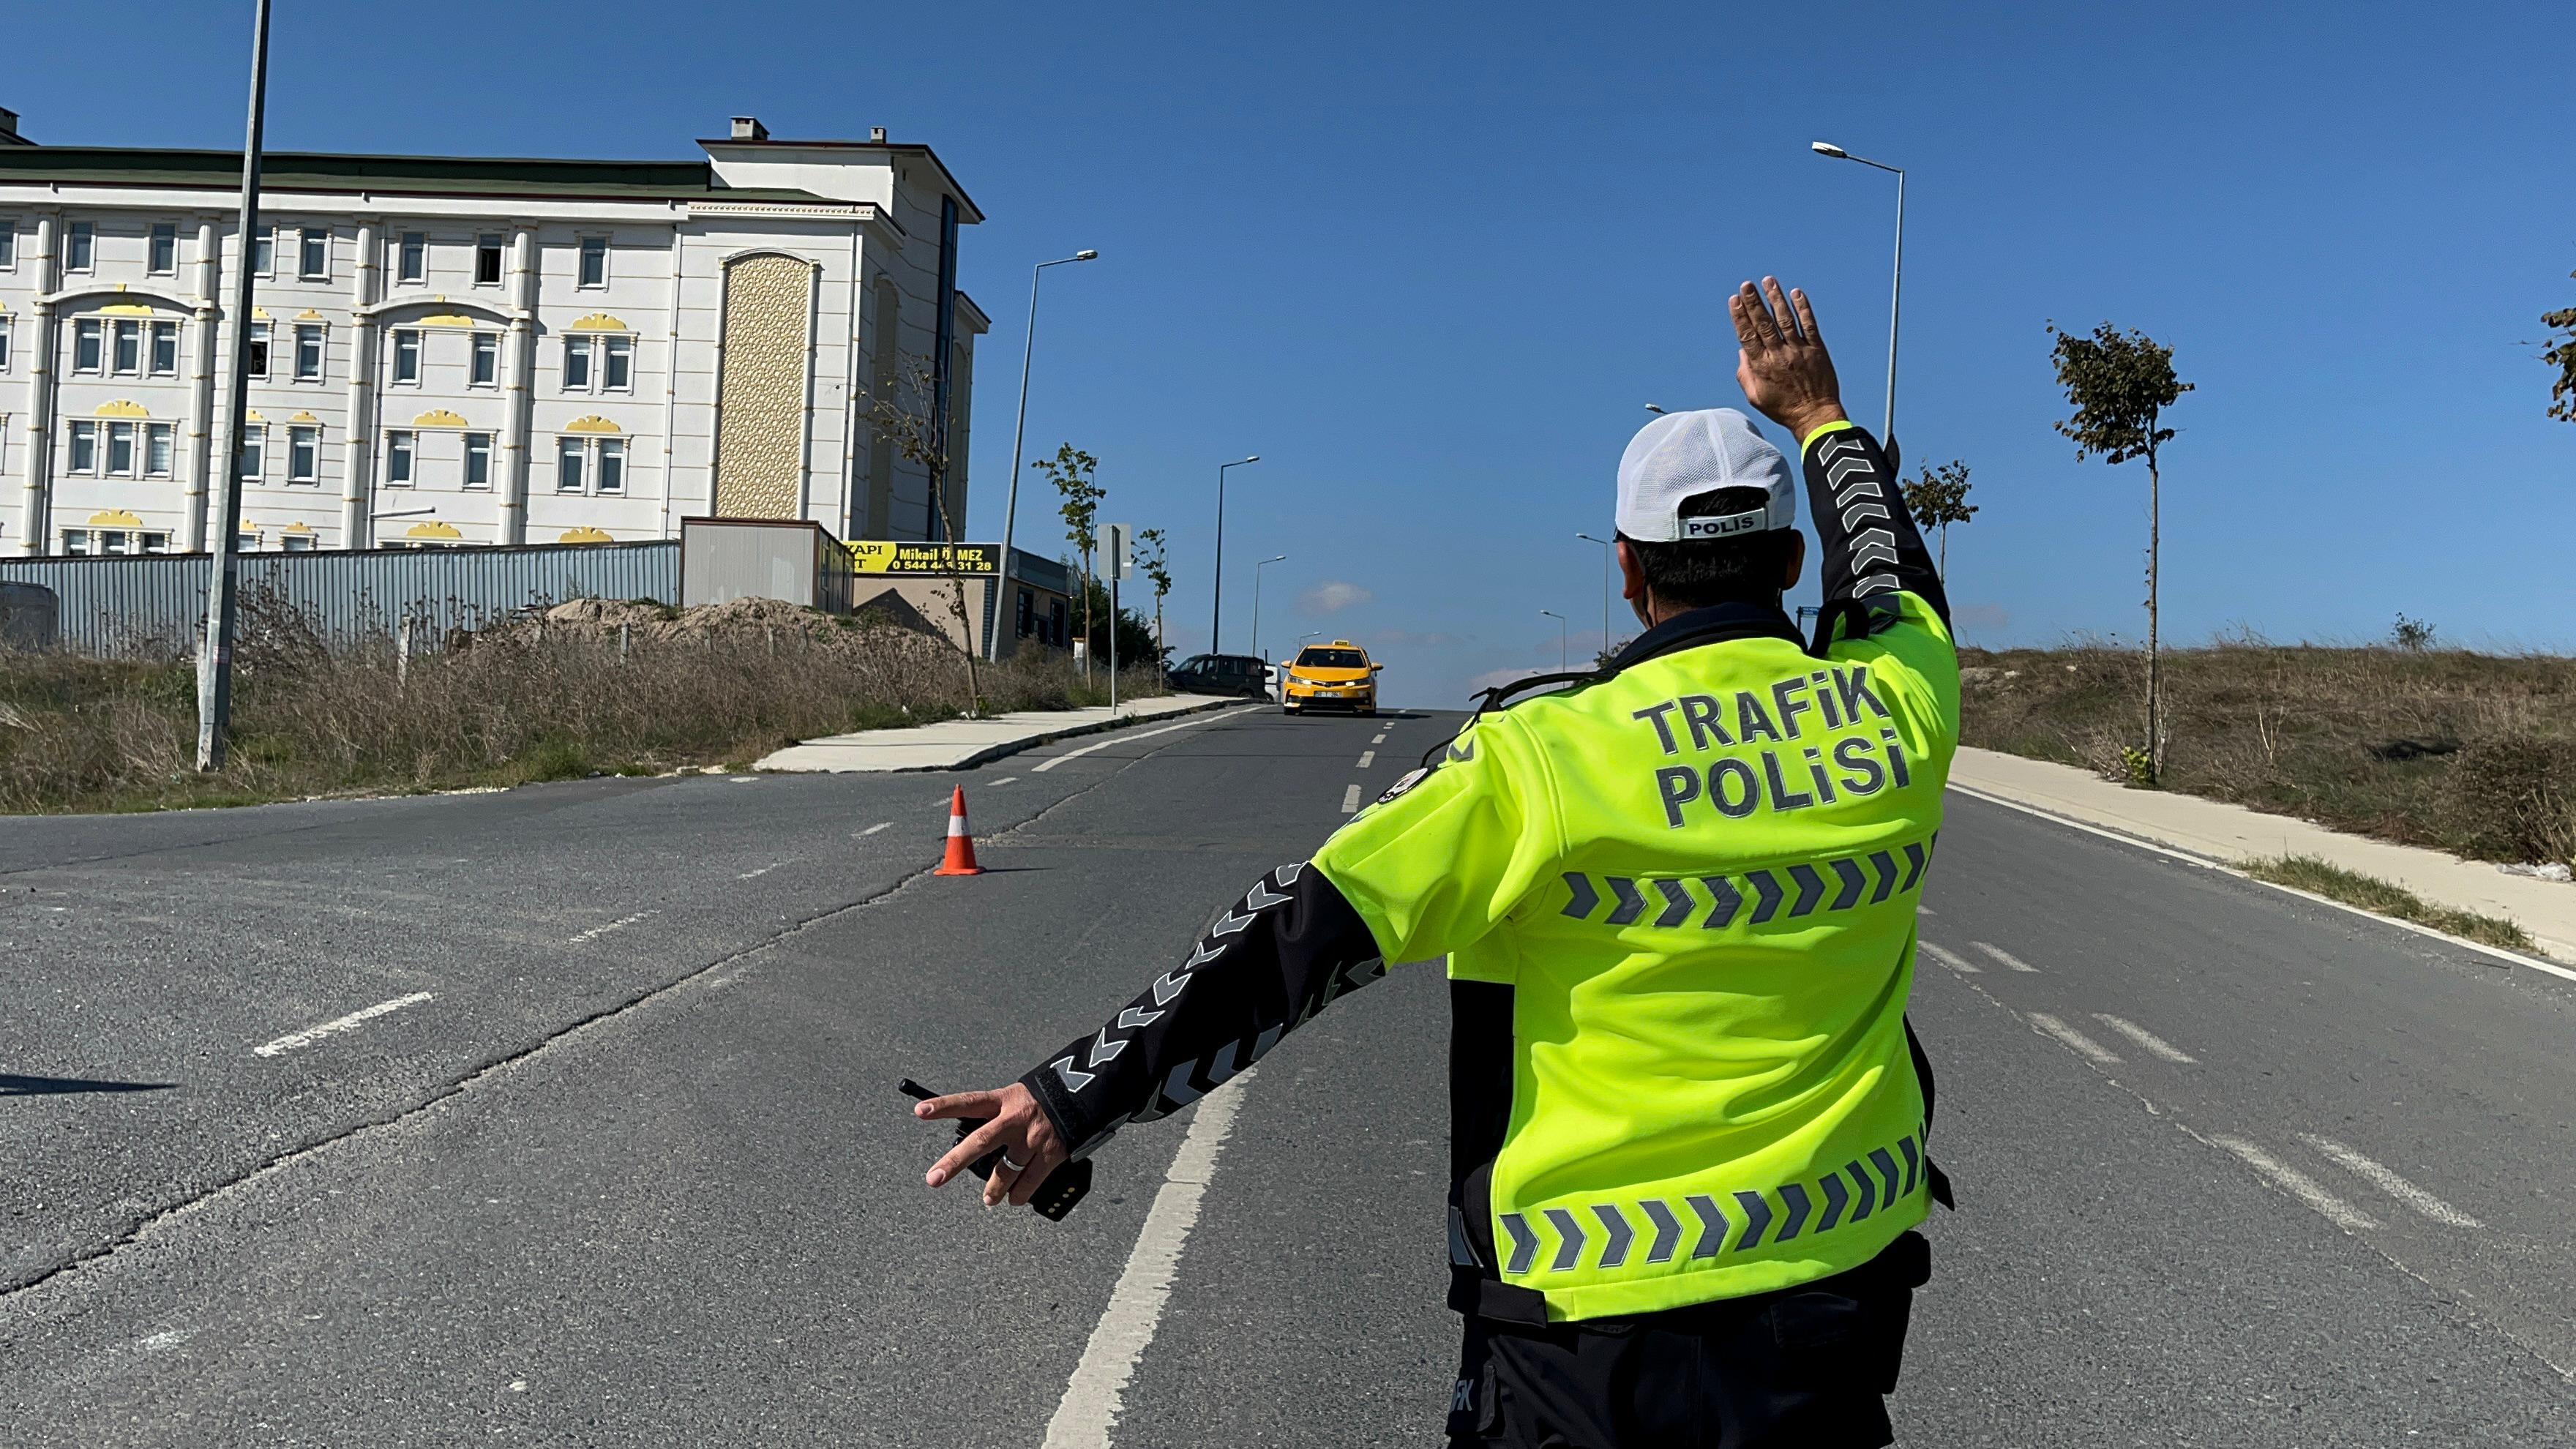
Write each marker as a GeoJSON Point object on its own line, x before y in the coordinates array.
{"type": "Point", "coordinates": [1632, 575]}
{"type": "Point", "coordinates": [1797, 566]}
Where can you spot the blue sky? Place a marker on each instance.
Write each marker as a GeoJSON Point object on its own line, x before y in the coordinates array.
{"type": "Point", "coordinates": [1431, 260]}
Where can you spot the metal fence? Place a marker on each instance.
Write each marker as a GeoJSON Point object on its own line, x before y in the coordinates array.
{"type": "Point", "coordinates": [154, 606]}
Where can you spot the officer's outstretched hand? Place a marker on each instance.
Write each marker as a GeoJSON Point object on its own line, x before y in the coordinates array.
{"type": "Point", "coordinates": [1784, 368]}
{"type": "Point", "coordinates": [1020, 1127]}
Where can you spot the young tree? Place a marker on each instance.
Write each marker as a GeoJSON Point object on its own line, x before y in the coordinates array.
{"type": "Point", "coordinates": [905, 416]}
{"type": "Point", "coordinates": [1938, 497]}
{"type": "Point", "coordinates": [2120, 385]}
{"type": "Point", "coordinates": [1153, 556]}
{"type": "Point", "coordinates": [2562, 355]}
{"type": "Point", "coordinates": [1070, 471]}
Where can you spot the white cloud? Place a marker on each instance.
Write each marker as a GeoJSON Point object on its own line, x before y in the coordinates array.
{"type": "Point", "coordinates": [1332, 596]}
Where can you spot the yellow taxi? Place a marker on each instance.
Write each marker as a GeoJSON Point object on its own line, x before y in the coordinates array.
{"type": "Point", "coordinates": [1338, 675]}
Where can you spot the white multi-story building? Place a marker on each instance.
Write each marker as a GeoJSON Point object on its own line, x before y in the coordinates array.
{"type": "Point", "coordinates": [467, 350]}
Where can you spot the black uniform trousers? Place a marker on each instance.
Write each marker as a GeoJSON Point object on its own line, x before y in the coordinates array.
{"type": "Point", "coordinates": [1808, 1366]}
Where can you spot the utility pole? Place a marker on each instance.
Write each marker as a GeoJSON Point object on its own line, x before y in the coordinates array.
{"type": "Point", "coordinates": [1114, 545]}
{"type": "Point", "coordinates": [1216, 592]}
{"type": "Point", "coordinates": [1019, 434]}
{"type": "Point", "coordinates": [215, 659]}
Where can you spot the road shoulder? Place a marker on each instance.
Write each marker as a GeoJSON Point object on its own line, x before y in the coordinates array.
{"type": "Point", "coordinates": [961, 744]}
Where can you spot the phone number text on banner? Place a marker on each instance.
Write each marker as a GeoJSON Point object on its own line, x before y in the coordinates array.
{"type": "Point", "coordinates": [885, 556]}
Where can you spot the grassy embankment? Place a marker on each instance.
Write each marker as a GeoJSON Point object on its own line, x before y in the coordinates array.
{"type": "Point", "coordinates": [542, 700]}
{"type": "Point", "coordinates": [2469, 753]}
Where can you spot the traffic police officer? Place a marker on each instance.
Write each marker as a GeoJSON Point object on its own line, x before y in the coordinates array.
{"type": "Point", "coordinates": [1677, 897]}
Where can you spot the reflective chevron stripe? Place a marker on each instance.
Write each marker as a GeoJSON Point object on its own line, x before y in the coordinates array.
{"type": "Point", "coordinates": [1794, 1197]}
{"type": "Point", "coordinates": [1757, 1216]}
{"type": "Point", "coordinates": [1524, 1243]}
{"type": "Point", "coordinates": [1837, 1197]}
{"type": "Point", "coordinates": [1913, 1162]}
{"type": "Point", "coordinates": [1795, 890]}
{"type": "Point", "coordinates": [1668, 1230]}
{"type": "Point", "coordinates": [1868, 1193]}
{"type": "Point", "coordinates": [1615, 1223]}
{"type": "Point", "coordinates": [1713, 1225]}
{"type": "Point", "coordinates": [1569, 1239]}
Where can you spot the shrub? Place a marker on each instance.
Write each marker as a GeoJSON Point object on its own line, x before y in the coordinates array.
{"type": "Point", "coordinates": [2512, 798]}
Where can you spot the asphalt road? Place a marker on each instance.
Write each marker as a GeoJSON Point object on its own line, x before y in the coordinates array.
{"type": "Point", "coordinates": [620, 1160]}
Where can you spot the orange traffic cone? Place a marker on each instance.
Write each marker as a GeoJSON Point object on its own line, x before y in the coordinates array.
{"type": "Point", "coordinates": [961, 841]}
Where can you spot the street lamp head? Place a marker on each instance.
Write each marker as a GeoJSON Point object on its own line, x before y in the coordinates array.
{"type": "Point", "coordinates": [1656, 408]}
{"type": "Point", "coordinates": [1827, 148]}
{"type": "Point", "coordinates": [1085, 255]}
{"type": "Point", "coordinates": [1276, 558]}
{"type": "Point", "coordinates": [1255, 458]}
{"type": "Point", "coordinates": [1551, 613]}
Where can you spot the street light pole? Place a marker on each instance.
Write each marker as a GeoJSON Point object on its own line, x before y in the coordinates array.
{"type": "Point", "coordinates": [1896, 282]}
{"type": "Point", "coordinates": [1562, 659]}
{"type": "Point", "coordinates": [215, 659]}
{"type": "Point", "coordinates": [1216, 601]}
{"type": "Point", "coordinates": [1256, 599]}
{"type": "Point", "coordinates": [1019, 434]}
{"type": "Point", "coordinates": [1606, 551]}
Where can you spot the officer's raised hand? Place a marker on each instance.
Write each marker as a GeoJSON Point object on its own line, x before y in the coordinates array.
{"type": "Point", "coordinates": [1020, 1128]}
{"type": "Point", "coordinates": [1783, 367]}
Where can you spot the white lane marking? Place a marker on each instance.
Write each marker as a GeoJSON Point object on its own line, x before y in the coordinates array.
{"type": "Point", "coordinates": [873, 829]}
{"type": "Point", "coordinates": [2084, 1046]}
{"type": "Point", "coordinates": [1378, 739]}
{"type": "Point", "coordinates": [2387, 1181]}
{"type": "Point", "coordinates": [165, 1339]}
{"type": "Point", "coordinates": [1121, 737]}
{"type": "Point", "coordinates": [2298, 1185]}
{"type": "Point", "coordinates": [2186, 857]}
{"type": "Point", "coordinates": [2005, 957]}
{"type": "Point", "coordinates": [1351, 800]}
{"type": "Point", "coordinates": [1367, 757]}
{"type": "Point", "coordinates": [764, 870]}
{"type": "Point", "coordinates": [595, 932]}
{"type": "Point", "coordinates": [2154, 1044]}
{"type": "Point", "coordinates": [312, 1034]}
{"type": "Point", "coordinates": [1949, 958]}
{"type": "Point", "coordinates": [740, 779]}
{"type": "Point", "coordinates": [1096, 1392]}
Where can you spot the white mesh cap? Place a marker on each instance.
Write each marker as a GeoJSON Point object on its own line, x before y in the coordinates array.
{"type": "Point", "coordinates": [1680, 456]}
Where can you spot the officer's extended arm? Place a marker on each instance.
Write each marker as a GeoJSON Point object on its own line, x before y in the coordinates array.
{"type": "Point", "coordinates": [1273, 960]}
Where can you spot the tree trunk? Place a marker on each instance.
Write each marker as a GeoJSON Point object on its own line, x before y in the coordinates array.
{"type": "Point", "coordinates": [2155, 683]}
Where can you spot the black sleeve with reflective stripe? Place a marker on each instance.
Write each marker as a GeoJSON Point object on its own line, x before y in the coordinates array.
{"type": "Point", "coordinates": [1871, 545]}
{"type": "Point", "coordinates": [1272, 961]}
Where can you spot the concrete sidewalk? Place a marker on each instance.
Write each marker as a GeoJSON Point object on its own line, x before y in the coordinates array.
{"type": "Point", "coordinates": [2231, 833]}
{"type": "Point", "coordinates": [960, 744]}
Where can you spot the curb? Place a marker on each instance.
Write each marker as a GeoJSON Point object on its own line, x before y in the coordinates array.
{"type": "Point", "coordinates": [2190, 857]}
{"type": "Point", "coordinates": [1002, 748]}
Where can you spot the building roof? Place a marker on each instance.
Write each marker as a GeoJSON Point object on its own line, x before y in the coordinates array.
{"type": "Point", "coordinates": [766, 142]}
{"type": "Point", "coordinates": [313, 171]}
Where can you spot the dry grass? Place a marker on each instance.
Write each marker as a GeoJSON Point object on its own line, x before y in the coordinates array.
{"type": "Point", "coordinates": [2318, 877]}
{"type": "Point", "coordinates": [2472, 753]}
{"type": "Point", "coordinates": [568, 695]}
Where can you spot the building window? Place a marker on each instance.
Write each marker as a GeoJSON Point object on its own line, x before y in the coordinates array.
{"type": "Point", "coordinates": [617, 365]}
{"type": "Point", "coordinates": [407, 356]}
{"type": "Point", "coordinates": [8, 243]}
{"type": "Point", "coordinates": [413, 264]}
{"type": "Point", "coordinates": [254, 454]}
{"type": "Point", "coordinates": [576, 369]}
{"type": "Point", "coordinates": [398, 450]}
{"type": "Point", "coordinates": [612, 466]}
{"type": "Point", "coordinates": [303, 455]}
{"type": "Point", "coordinates": [80, 251]}
{"type": "Point", "coordinates": [263, 251]}
{"type": "Point", "coordinates": [313, 254]}
{"type": "Point", "coordinates": [76, 542]}
{"type": "Point", "coordinates": [487, 260]}
{"type": "Point", "coordinates": [594, 261]}
{"type": "Point", "coordinates": [87, 346]}
{"type": "Point", "coordinates": [308, 352]}
{"type": "Point", "coordinates": [129, 347]}
{"type": "Point", "coordinates": [84, 448]}
{"type": "Point", "coordinates": [165, 249]}
{"type": "Point", "coordinates": [4, 344]}
{"type": "Point", "coordinates": [120, 450]}
{"type": "Point", "coordinates": [159, 442]}
{"type": "Point", "coordinates": [298, 543]}
{"type": "Point", "coordinates": [156, 543]}
{"type": "Point", "coordinates": [259, 349]}
{"type": "Point", "coordinates": [165, 349]}
{"type": "Point", "coordinates": [486, 370]}
{"type": "Point", "coordinates": [568, 461]}
{"type": "Point", "coordinates": [478, 460]}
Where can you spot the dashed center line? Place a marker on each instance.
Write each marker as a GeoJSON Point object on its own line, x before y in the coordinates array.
{"type": "Point", "coordinates": [873, 829]}
{"type": "Point", "coordinates": [312, 1034]}
{"type": "Point", "coordinates": [2005, 957]}
{"type": "Point", "coordinates": [764, 870]}
{"type": "Point", "coordinates": [2084, 1046]}
{"type": "Point", "coordinates": [2298, 1185]}
{"type": "Point", "coordinates": [595, 932]}
{"type": "Point", "coordinates": [1367, 756]}
{"type": "Point", "coordinates": [1949, 958]}
{"type": "Point", "coordinates": [1351, 800]}
{"type": "Point", "coordinates": [1378, 739]}
{"type": "Point", "coordinates": [2155, 1044]}
{"type": "Point", "coordinates": [2387, 1181]}
{"type": "Point", "coordinates": [1006, 780]}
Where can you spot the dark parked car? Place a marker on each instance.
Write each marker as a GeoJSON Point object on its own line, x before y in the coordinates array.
{"type": "Point", "coordinates": [30, 616]}
{"type": "Point", "coordinates": [1222, 674]}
